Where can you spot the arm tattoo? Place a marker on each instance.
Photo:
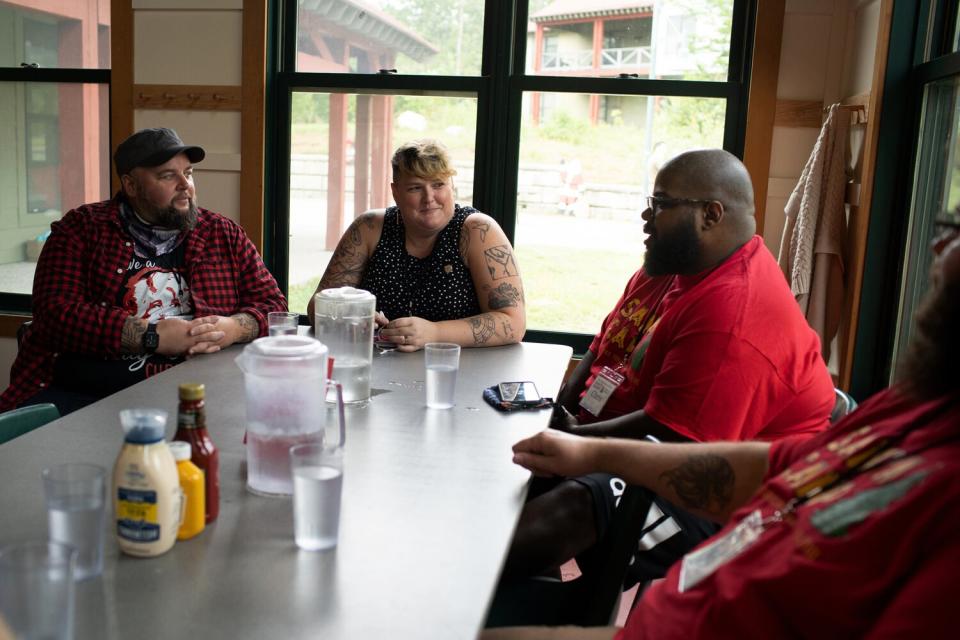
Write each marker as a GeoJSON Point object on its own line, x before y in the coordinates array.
{"type": "Point", "coordinates": [482, 227]}
{"type": "Point", "coordinates": [349, 260]}
{"type": "Point", "coordinates": [249, 327]}
{"type": "Point", "coordinates": [507, 330]}
{"type": "Point", "coordinates": [500, 262]}
{"type": "Point", "coordinates": [131, 336]}
{"type": "Point", "coordinates": [466, 229]}
{"type": "Point", "coordinates": [703, 482]}
{"type": "Point", "coordinates": [483, 326]}
{"type": "Point", "coordinates": [505, 295]}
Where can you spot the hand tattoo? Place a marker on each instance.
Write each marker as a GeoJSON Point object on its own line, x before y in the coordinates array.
{"type": "Point", "coordinates": [131, 336]}
{"type": "Point", "coordinates": [505, 295]}
{"type": "Point", "coordinates": [249, 327]}
{"type": "Point", "coordinates": [703, 482]}
{"type": "Point", "coordinates": [500, 262]}
{"type": "Point", "coordinates": [483, 327]}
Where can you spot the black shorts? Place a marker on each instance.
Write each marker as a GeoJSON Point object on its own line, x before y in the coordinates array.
{"type": "Point", "coordinates": [668, 533]}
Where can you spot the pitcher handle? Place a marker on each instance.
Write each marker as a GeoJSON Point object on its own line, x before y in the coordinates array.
{"type": "Point", "coordinates": [340, 415]}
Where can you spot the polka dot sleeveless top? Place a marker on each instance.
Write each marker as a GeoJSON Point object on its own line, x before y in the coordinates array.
{"type": "Point", "coordinates": [438, 287]}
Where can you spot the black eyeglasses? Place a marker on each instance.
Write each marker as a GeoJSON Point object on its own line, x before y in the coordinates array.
{"type": "Point", "coordinates": [659, 203]}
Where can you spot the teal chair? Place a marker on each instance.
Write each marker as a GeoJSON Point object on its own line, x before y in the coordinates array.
{"type": "Point", "coordinates": [25, 419]}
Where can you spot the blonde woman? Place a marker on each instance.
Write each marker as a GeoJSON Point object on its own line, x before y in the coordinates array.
{"type": "Point", "coordinates": [441, 272]}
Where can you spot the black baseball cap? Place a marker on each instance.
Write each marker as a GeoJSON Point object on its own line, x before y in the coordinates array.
{"type": "Point", "coordinates": [152, 147]}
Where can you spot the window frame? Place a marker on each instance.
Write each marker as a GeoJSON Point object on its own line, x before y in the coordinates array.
{"type": "Point", "coordinates": [21, 303]}
{"type": "Point", "coordinates": [499, 91]}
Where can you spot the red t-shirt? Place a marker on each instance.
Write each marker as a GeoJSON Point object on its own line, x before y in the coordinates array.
{"type": "Point", "coordinates": [875, 555]}
{"type": "Point", "coordinates": [722, 355]}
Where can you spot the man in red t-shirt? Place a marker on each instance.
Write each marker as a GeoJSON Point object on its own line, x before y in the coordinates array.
{"type": "Point", "coordinates": [852, 533]}
{"type": "Point", "coordinates": [706, 343]}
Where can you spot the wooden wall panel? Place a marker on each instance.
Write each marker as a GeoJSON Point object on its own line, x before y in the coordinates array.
{"type": "Point", "coordinates": [252, 140]}
{"type": "Point", "coordinates": [761, 108]}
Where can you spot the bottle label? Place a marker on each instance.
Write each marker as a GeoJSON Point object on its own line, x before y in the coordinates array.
{"type": "Point", "coordinates": [187, 419]}
{"type": "Point", "coordinates": [137, 515]}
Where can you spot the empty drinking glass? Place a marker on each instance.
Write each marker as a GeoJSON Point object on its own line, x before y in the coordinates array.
{"type": "Point", "coordinates": [37, 590]}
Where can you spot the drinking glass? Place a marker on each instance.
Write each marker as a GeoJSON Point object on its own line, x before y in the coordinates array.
{"type": "Point", "coordinates": [282, 323]}
{"type": "Point", "coordinates": [75, 496]}
{"type": "Point", "coordinates": [317, 487]}
{"type": "Point", "coordinates": [37, 589]}
{"type": "Point", "coordinates": [442, 360]}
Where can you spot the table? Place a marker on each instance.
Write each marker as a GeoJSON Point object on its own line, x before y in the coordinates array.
{"type": "Point", "coordinates": [431, 499]}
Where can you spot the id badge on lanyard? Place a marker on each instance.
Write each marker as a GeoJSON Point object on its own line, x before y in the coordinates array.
{"type": "Point", "coordinates": [700, 564]}
{"type": "Point", "coordinates": [603, 386]}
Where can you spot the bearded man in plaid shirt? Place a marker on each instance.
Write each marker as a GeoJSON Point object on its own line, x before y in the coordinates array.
{"type": "Point", "coordinates": [129, 287]}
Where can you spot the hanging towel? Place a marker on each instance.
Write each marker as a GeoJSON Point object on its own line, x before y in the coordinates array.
{"type": "Point", "coordinates": [811, 251]}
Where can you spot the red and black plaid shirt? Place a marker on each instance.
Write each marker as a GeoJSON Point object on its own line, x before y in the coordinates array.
{"type": "Point", "coordinates": [83, 267]}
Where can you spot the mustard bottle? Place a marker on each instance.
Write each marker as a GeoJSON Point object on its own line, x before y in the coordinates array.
{"type": "Point", "coordinates": [192, 484]}
{"type": "Point", "coordinates": [147, 499]}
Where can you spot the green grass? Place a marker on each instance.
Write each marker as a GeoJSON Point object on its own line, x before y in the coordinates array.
{"type": "Point", "coordinates": [566, 291]}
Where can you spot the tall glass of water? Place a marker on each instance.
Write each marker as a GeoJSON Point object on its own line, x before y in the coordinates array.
{"type": "Point", "coordinates": [75, 496]}
{"type": "Point", "coordinates": [442, 361]}
{"type": "Point", "coordinates": [317, 487]}
{"type": "Point", "coordinates": [344, 321]}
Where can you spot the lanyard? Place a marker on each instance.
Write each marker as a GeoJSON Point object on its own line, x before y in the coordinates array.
{"type": "Point", "coordinates": [855, 465]}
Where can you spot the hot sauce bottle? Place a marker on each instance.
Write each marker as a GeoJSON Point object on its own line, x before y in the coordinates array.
{"type": "Point", "coordinates": [192, 428]}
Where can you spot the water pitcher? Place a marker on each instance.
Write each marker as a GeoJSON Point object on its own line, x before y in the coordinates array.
{"type": "Point", "coordinates": [285, 378]}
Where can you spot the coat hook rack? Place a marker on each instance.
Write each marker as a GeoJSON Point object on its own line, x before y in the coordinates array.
{"type": "Point", "coordinates": [198, 97]}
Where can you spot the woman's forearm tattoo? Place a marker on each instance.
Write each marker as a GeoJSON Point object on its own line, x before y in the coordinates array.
{"type": "Point", "coordinates": [703, 482]}
{"type": "Point", "coordinates": [483, 327]}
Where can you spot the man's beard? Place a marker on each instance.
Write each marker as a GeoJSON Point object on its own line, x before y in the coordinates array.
{"type": "Point", "coordinates": [170, 217]}
{"type": "Point", "coordinates": [673, 253]}
{"type": "Point", "coordinates": [931, 366]}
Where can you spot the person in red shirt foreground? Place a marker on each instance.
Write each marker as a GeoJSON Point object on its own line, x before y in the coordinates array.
{"type": "Point", "coordinates": [853, 533]}
{"type": "Point", "coordinates": [707, 343]}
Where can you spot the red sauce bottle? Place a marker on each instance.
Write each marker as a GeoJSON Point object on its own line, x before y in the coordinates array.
{"type": "Point", "coordinates": [192, 428]}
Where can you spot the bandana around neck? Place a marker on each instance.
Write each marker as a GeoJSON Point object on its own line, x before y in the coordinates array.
{"type": "Point", "coordinates": [149, 240]}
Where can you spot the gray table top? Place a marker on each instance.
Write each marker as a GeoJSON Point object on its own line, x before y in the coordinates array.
{"type": "Point", "coordinates": [430, 502]}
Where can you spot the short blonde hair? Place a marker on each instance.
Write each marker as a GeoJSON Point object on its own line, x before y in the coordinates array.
{"type": "Point", "coordinates": [425, 159]}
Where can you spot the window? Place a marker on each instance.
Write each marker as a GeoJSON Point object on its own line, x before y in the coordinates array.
{"type": "Point", "coordinates": [54, 134]}
{"type": "Point", "coordinates": [557, 118]}
{"type": "Point", "coordinates": [935, 185]}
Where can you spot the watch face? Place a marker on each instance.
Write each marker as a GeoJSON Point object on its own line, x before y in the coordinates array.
{"type": "Point", "coordinates": [151, 339]}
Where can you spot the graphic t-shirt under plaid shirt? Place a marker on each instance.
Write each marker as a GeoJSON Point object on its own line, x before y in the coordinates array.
{"type": "Point", "coordinates": [84, 266]}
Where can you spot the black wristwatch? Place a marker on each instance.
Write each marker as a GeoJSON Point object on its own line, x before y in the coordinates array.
{"type": "Point", "coordinates": [151, 339]}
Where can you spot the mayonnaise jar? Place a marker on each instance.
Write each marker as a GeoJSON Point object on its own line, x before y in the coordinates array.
{"type": "Point", "coordinates": [147, 499]}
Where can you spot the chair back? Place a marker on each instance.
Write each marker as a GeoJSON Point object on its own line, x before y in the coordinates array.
{"type": "Point", "coordinates": [600, 589]}
{"type": "Point", "coordinates": [25, 419]}
{"type": "Point", "coordinates": [843, 405]}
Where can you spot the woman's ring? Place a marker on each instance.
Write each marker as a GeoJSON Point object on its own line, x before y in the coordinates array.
{"type": "Point", "coordinates": [403, 339]}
